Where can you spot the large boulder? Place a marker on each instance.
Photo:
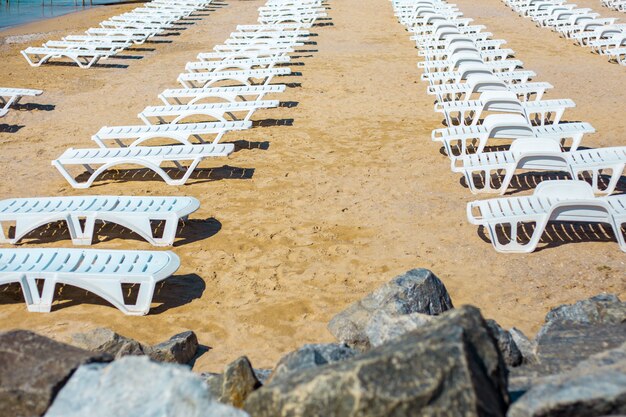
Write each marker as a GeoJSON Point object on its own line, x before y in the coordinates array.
{"type": "Point", "coordinates": [32, 370]}
{"type": "Point", "coordinates": [417, 291]}
{"type": "Point", "coordinates": [572, 334]}
{"type": "Point", "coordinates": [596, 387]}
{"type": "Point", "coordinates": [605, 309]}
{"type": "Point", "coordinates": [106, 340]}
{"type": "Point", "coordinates": [180, 348]}
{"type": "Point", "coordinates": [311, 356]}
{"type": "Point", "coordinates": [451, 366]}
{"type": "Point", "coordinates": [137, 387]}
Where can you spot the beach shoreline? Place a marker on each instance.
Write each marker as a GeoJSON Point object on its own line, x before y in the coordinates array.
{"type": "Point", "coordinates": [323, 202]}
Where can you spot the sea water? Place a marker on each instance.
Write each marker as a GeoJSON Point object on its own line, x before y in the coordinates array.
{"type": "Point", "coordinates": [17, 12]}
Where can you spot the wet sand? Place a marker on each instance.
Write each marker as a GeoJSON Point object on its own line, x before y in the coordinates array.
{"type": "Point", "coordinates": [327, 198]}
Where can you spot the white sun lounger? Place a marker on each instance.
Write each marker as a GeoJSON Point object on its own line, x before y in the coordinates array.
{"type": "Point", "coordinates": [236, 64]}
{"type": "Point", "coordinates": [84, 58]}
{"type": "Point", "coordinates": [469, 113]}
{"type": "Point", "coordinates": [540, 155]}
{"type": "Point", "coordinates": [174, 114]}
{"type": "Point", "coordinates": [137, 36]}
{"type": "Point", "coordinates": [108, 48]}
{"type": "Point", "coordinates": [286, 27]}
{"type": "Point", "coordinates": [130, 136]}
{"type": "Point", "coordinates": [563, 201]}
{"type": "Point", "coordinates": [12, 96]}
{"type": "Point", "coordinates": [508, 127]}
{"type": "Point", "coordinates": [102, 272]}
{"type": "Point", "coordinates": [479, 83]}
{"type": "Point", "coordinates": [80, 214]}
{"type": "Point", "coordinates": [122, 40]}
{"type": "Point", "coordinates": [231, 94]}
{"type": "Point", "coordinates": [249, 54]}
{"type": "Point", "coordinates": [151, 157]}
{"type": "Point", "coordinates": [464, 70]}
{"type": "Point", "coordinates": [272, 34]}
{"type": "Point", "coordinates": [276, 48]}
{"type": "Point", "coordinates": [206, 79]}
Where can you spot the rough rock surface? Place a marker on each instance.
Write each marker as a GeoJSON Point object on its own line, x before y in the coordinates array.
{"type": "Point", "coordinates": [137, 387]}
{"type": "Point", "coordinates": [384, 327]}
{"type": "Point", "coordinates": [464, 370]}
{"type": "Point", "coordinates": [263, 374]}
{"type": "Point", "coordinates": [417, 291]}
{"type": "Point", "coordinates": [601, 309]}
{"type": "Point", "coordinates": [106, 340]}
{"type": "Point", "coordinates": [510, 351]}
{"type": "Point", "coordinates": [238, 382]}
{"type": "Point", "coordinates": [527, 347]}
{"type": "Point", "coordinates": [311, 356]}
{"type": "Point", "coordinates": [180, 348]}
{"type": "Point", "coordinates": [572, 333]}
{"type": "Point", "coordinates": [32, 370]}
{"type": "Point", "coordinates": [596, 387]}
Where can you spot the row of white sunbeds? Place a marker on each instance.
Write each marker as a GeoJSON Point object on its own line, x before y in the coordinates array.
{"type": "Point", "coordinates": [619, 5]}
{"type": "Point", "coordinates": [603, 36]}
{"type": "Point", "coordinates": [116, 34]}
{"type": "Point", "coordinates": [487, 99]}
{"type": "Point", "coordinates": [283, 25]}
{"type": "Point", "coordinates": [12, 96]}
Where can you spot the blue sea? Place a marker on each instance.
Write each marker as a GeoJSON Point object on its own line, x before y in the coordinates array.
{"type": "Point", "coordinates": [17, 12]}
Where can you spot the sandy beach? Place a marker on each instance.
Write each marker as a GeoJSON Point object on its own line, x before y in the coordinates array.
{"type": "Point", "coordinates": [330, 195]}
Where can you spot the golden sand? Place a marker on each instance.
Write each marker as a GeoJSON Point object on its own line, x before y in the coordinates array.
{"type": "Point", "coordinates": [323, 202]}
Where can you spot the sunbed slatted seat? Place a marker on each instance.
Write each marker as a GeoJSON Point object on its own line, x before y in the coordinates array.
{"type": "Point", "coordinates": [241, 64]}
{"type": "Point", "coordinates": [84, 58]}
{"type": "Point", "coordinates": [138, 36]}
{"type": "Point", "coordinates": [298, 34]}
{"type": "Point", "coordinates": [232, 94]}
{"type": "Point", "coordinates": [151, 157]}
{"type": "Point", "coordinates": [468, 113]}
{"type": "Point", "coordinates": [134, 213]}
{"type": "Point", "coordinates": [477, 83]}
{"type": "Point", "coordinates": [509, 127]}
{"type": "Point", "coordinates": [219, 111]}
{"type": "Point", "coordinates": [108, 48]}
{"type": "Point", "coordinates": [206, 79]}
{"type": "Point", "coordinates": [565, 201]}
{"type": "Point", "coordinates": [102, 272]}
{"type": "Point", "coordinates": [248, 54]}
{"type": "Point", "coordinates": [182, 133]}
{"type": "Point", "coordinates": [544, 155]}
{"type": "Point", "coordinates": [12, 96]}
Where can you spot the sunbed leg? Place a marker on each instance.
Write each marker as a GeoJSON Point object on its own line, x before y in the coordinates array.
{"type": "Point", "coordinates": [36, 302]}
{"type": "Point", "coordinates": [81, 235]}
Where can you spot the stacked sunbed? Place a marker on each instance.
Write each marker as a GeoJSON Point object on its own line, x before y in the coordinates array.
{"type": "Point", "coordinates": [219, 87]}
{"type": "Point", "coordinates": [588, 29]}
{"type": "Point", "coordinates": [488, 99]}
{"type": "Point", "coordinates": [11, 96]}
{"type": "Point", "coordinates": [619, 5]}
{"type": "Point", "coordinates": [116, 34]}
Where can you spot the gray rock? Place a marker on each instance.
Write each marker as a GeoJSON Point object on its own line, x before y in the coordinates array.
{"type": "Point", "coordinates": [238, 381]}
{"type": "Point", "coordinates": [180, 348]}
{"type": "Point", "coordinates": [137, 387]}
{"type": "Point", "coordinates": [32, 370]}
{"type": "Point", "coordinates": [311, 356]}
{"type": "Point", "coordinates": [263, 374]}
{"type": "Point", "coordinates": [595, 387]}
{"type": "Point", "coordinates": [527, 347]}
{"type": "Point", "coordinates": [417, 291]}
{"type": "Point", "coordinates": [604, 309]}
{"type": "Point", "coordinates": [214, 382]}
{"type": "Point", "coordinates": [106, 340]}
{"type": "Point", "coordinates": [510, 351]}
{"type": "Point", "coordinates": [451, 366]}
{"type": "Point", "coordinates": [384, 327]}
